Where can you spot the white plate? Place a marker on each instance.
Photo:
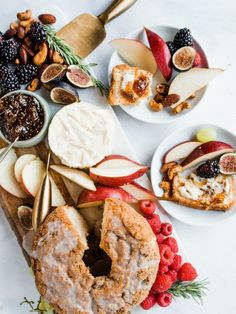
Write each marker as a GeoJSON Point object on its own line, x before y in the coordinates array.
{"type": "Point", "coordinates": [142, 112]}
{"type": "Point", "coordinates": [185, 214]}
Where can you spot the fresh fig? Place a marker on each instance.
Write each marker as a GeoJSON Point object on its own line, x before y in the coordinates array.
{"type": "Point", "coordinates": [78, 77]}
{"type": "Point", "coordinates": [183, 58]}
{"type": "Point", "coordinates": [228, 163]}
{"type": "Point", "coordinates": [63, 93]}
{"type": "Point", "coordinates": [53, 73]}
{"type": "Point", "coordinates": [24, 213]}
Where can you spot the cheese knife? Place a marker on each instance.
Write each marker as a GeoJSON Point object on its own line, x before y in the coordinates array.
{"type": "Point", "coordinates": [87, 31]}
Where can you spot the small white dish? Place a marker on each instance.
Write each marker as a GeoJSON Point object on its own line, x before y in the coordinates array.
{"type": "Point", "coordinates": [142, 112]}
{"type": "Point", "coordinates": [182, 213]}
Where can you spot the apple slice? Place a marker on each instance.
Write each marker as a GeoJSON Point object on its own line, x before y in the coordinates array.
{"type": "Point", "coordinates": [186, 83]}
{"type": "Point", "coordinates": [138, 191]}
{"type": "Point", "coordinates": [135, 53]}
{"type": "Point", "coordinates": [96, 198]}
{"type": "Point", "coordinates": [20, 164]}
{"type": "Point", "coordinates": [180, 151]}
{"type": "Point", "coordinates": [31, 178]}
{"type": "Point", "coordinates": [161, 53]}
{"type": "Point", "coordinates": [116, 170]}
{"type": "Point", "coordinates": [79, 177]}
{"type": "Point", "coordinates": [7, 177]}
{"type": "Point", "coordinates": [208, 150]}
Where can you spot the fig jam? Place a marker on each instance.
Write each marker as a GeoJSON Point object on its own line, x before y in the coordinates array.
{"type": "Point", "coordinates": [20, 115]}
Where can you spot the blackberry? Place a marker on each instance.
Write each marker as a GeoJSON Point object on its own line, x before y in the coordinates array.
{"type": "Point", "coordinates": [8, 50]}
{"type": "Point", "coordinates": [26, 72]}
{"type": "Point", "coordinates": [37, 32]}
{"type": "Point", "coordinates": [171, 47]}
{"type": "Point", "coordinates": [8, 81]}
{"type": "Point", "coordinates": [183, 38]}
{"type": "Point", "coordinates": [209, 169]}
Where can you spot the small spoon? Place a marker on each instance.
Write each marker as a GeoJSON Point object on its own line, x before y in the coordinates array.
{"type": "Point", "coordinates": [7, 149]}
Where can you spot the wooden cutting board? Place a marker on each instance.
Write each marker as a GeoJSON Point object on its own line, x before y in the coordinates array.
{"type": "Point", "coordinates": [9, 203]}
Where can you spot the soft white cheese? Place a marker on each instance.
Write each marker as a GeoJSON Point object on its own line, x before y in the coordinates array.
{"type": "Point", "coordinates": [80, 134]}
{"type": "Point", "coordinates": [128, 77]}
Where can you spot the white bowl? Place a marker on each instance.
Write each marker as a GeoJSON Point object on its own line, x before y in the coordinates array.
{"type": "Point", "coordinates": [142, 112]}
{"type": "Point", "coordinates": [182, 213]}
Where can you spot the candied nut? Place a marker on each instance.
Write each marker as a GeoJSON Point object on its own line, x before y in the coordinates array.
{"type": "Point", "coordinates": [174, 170]}
{"type": "Point", "coordinates": [24, 16]}
{"type": "Point", "coordinates": [155, 106]}
{"type": "Point", "coordinates": [165, 167]}
{"type": "Point", "coordinates": [47, 18]}
{"type": "Point", "coordinates": [29, 50]}
{"type": "Point", "coordinates": [162, 89]}
{"type": "Point", "coordinates": [17, 61]}
{"type": "Point", "coordinates": [181, 107]}
{"type": "Point", "coordinates": [13, 25]}
{"type": "Point", "coordinates": [158, 97]}
{"type": "Point", "coordinates": [34, 85]}
{"type": "Point", "coordinates": [170, 100]}
{"type": "Point", "coordinates": [26, 23]}
{"type": "Point", "coordinates": [21, 32]}
{"type": "Point", "coordinates": [41, 56]}
{"type": "Point", "coordinates": [23, 55]}
{"type": "Point", "coordinates": [56, 58]}
{"type": "Point", "coordinates": [10, 33]}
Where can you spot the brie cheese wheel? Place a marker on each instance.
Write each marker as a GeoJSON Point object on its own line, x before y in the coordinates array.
{"type": "Point", "coordinates": [80, 134]}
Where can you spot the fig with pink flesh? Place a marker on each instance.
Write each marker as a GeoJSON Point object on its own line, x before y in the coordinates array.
{"type": "Point", "coordinates": [228, 163]}
{"type": "Point", "coordinates": [78, 77]}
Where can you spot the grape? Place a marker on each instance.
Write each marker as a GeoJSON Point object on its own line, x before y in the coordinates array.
{"type": "Point", "coordinates": [206, 135]}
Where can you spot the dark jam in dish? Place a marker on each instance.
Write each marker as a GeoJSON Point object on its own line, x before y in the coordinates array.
{"type": "Point", "coordinates": [20, 115]}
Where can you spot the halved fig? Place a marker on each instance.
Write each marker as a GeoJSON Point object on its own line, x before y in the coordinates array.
{"type": "Point", "coordinates": [78, 77]}
{"type": "Point", "coordinates": [53, 73]}
{"type": "Point", "coordinates": [65, 94]}
{"type": "Point", "coordinates": [228, 163]}
{"type": "Point", "coordinates": [183, 58]}
{"type": "Point", "coordinates": [24, 213]}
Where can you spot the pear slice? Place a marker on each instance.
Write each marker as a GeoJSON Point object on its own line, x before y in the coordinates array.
{"type": "Point", "coordinates": [186, 83]}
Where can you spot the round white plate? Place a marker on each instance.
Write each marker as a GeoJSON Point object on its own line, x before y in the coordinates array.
{"type": "Point", "coordinates": [182, 213]}
{"type": "Point", "coordinates": [142, 112]}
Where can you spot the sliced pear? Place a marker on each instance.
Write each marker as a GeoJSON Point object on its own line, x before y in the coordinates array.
{"type": "Point", "coordinates": [186, 83]}
{"type": "Point", "coordinates": [135, 53]}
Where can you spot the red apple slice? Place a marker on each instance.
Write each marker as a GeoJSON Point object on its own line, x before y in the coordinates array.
{"type": "Point", "coordinates": [180, 151]}
{"type": "Point", "coordinates": [20, 164]}
{"type": "Point", "coordinates": [79, 177]}
{"type": "Point", "coordinates": [135, 53]}
{"type": "Point", "coordinates": [208, 150]}
{"type": "Point", "coordinates": [96, 198]}
{"type": "Point", "coordinates": [7, 177]}
{"type": "Point", "coordinates": [161, 53]}
{"type": "Point", "coordinates": [138, 191]}
{"type": "Point", "coordinates": [116, 170]}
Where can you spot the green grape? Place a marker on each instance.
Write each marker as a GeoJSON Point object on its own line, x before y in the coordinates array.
{"type": "Point", "coordinates": [206, 135]}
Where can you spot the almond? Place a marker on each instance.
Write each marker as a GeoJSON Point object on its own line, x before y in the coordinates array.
{"type": "Point", "coordinates": [29, 50]}
{"type": "Point", "coordinates": [47, 18]}
{"type": "Point", "coordinates": [10, 33]}
{"type": "Point", "coordinates": [170, 99]}
{"type": "Point", "coordinates": [21, 32]}
{"type": "Point", "coordinates": [23, 55]}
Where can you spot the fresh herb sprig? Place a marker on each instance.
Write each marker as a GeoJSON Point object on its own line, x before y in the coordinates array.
{"type": "Point", "coordinates": [187, 290]}
{"type": "Point", "coordinates": [66, 52]}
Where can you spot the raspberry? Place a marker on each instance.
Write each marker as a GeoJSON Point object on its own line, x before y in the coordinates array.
{"type": "Point", "coordinates": [166, 229]}
{"type": "Point", "coordinates": [187, 272]}
{"type": "Point", "coordinates": [162, 269]}
{"type": "Point", "coordinates": [164, 299]}
{"type": "Point", "coordinates": [176, 263]}
{"type": "Point", "coordinates": [172, 243]}
{"type": "Point", "coordinates": [197, 60]}
{"type": "Point", "coordinates": [172, 274]}
{"type": "Point", "coordinates": [155, 223]}
{"type": "Point", "coordinates": [147, 207]}
{"type": "Point", "coordinates": [160, 238]}
{"type": "Point", "coordinates": [148, 302]}
{"type": "Point", "coordinates": [166, 254]}
{"type": "Point", "coordinates": [162, 283]}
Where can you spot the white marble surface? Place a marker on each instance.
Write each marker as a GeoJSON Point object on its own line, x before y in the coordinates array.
{"type": "Point", "coordinates": [211, 250]}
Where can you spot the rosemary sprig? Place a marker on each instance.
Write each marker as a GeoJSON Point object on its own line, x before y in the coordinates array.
{"type": "Point", "coordinates": [195, 290]}
{"type": "Point", "coordinates": [41, 308]}
{"type": "Point", "coordinates": [66, 52]}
